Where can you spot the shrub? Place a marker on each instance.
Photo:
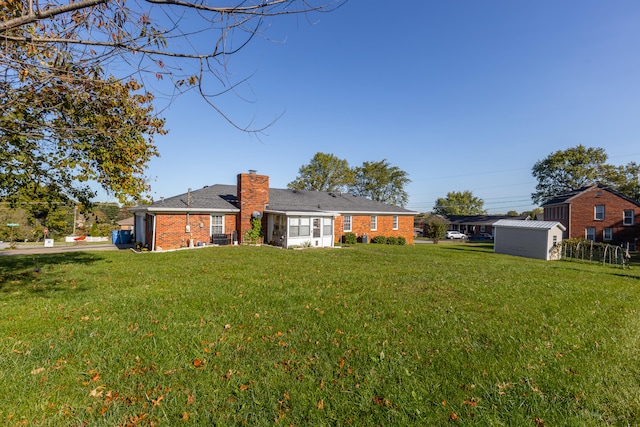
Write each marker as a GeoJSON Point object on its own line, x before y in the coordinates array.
{"type": "Point", "coordinates": [392, 240]}
{"type": "Point", "coordinates": [379, 239]}
{"type": "Point", "coordinates": [253, 235]}
{"type": "Point", "coordinates": [402, 240]}
{"type": "Point", "coordinates": [350, 238]}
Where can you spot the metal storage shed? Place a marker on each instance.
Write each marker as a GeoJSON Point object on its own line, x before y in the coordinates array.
{"type": "Point", "coordinates": [531, 239]}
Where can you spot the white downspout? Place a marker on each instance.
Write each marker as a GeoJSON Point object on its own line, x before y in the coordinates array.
{"type": "Point", "coordinates": [153, 233]}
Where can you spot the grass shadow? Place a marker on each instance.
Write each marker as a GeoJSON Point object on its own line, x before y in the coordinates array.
{"type": "Point", "coordinates": [611, 270]}
{"type": "Point", "coordinates": [470, 247]}
{"type": "Point", "coordinates": [29, 272]}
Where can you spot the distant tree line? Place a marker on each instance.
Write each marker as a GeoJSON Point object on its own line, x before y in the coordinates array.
{"type": "Point", "coordinates": [34, 217]}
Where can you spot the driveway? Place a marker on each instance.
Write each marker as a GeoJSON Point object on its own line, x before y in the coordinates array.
{"type": "Point", "coordinates": [61, 248]}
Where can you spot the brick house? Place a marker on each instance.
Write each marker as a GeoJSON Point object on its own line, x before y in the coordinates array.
{"type": "Point", "coordinates": [221, 214]}
{"type": "Point", "coordinates": [597, 213]}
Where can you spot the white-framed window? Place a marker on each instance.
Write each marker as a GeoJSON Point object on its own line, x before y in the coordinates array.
{"type": "Point", "coordinates": [395, 222]}
{"type": "Point", "coordinates": [374, 222]}
{"type": "Point", "coordinates": [347, 223]}
{"type": "Point", "coordinates": [628, 218]}
{"type": "Point", "coordinates": [590, 233]}
{"type": "Point", "coordinates": [299, 226]}
{"type": "Point", "coordinates": [607, 234]}
{"type": "Point", "coordinates": [327, 226]}
{"type": "Point", "coordinates": [598, 212]}
{"type": "Point", "coordinates": [217, 224]}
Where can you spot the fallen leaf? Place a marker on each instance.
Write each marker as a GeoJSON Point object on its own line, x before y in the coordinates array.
{"type": "Point", "coordinates": [37, 371]}
{"type": "Point", "coordinates": [320, 404]}
{"type": "Point", "coordinates": [243, 387]}
{"type": "Point", "coordinates": [198, 363]}
{"type": "Point", "coordinates": [97, 392]}
{"type": "Point", "coordinates": [156, 402]}
{"type": "Point", "coordinates": [470, 403]}
{"type": "Point", "coordinates": [453, 417]}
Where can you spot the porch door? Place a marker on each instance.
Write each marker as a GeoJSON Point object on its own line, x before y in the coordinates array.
{"type": "Point", "coordinates": [317, 227]}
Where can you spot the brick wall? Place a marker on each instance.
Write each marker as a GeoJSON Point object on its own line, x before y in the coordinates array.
{"type": "Point", "coordinates": [361, 224]}
{"type": "Point", "coordinates": [230, 223]}
{"type": "Point", "coordinates": [171, 230]}
{"type": "Point", "coordinates": [559, 213]}
{"type": "Point", "coordinates": [583, 216]}
{"type": "Point", "coordinates": [253, 196]}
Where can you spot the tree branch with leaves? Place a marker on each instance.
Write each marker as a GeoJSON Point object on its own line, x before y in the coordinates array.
{"type": "Point", "coordinates": [77, 102]}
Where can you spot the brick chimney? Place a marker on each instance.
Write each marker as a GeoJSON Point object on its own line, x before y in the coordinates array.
{"type": "Point", "coordinates": [253, 196]}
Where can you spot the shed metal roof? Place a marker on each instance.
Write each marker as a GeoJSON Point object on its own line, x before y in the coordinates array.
{"type": "Point", "coordinates": [532, 225]}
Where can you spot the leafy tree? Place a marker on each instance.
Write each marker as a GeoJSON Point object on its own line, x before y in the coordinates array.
{"type": "Point", "coordinates": [73, 107]}
{"type": "Point", "coordinates": [513, 213]}
{"type": "Point", "coordinates": [435, 227]}
{"type": "Point", "coordinates": [625, 179]}
{"type": "Point", "coordinates": [459, 203]}
{"type": "Point", "coordinates": [325, 172]}
{"type": "Point", "coordinates": [74, 130]}
{"type": "Point", "coordinates": [381, 182]}
{"type": "Point", "coordinates": [107, 212]}
{"type": "Point", "coordinates": [567, 170]}
{"type": "Point", "coordinates": [533, 213]}
{"type": "Point", "coordinates": [60, 221]}
{"type": "Point", "coordinates": [570, 169]}
{"type": "Point", "coordinates": [187, 44]}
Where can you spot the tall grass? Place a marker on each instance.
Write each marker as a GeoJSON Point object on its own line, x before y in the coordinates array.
{"type": "Point", "coordinates": [367, 335]}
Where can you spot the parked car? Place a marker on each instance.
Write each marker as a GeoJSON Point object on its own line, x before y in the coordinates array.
{"type": "Point", "coordinates": [481, 236]}
{"type": "Point", "coordinates": [452, 234]}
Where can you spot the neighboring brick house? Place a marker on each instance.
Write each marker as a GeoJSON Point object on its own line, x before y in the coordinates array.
{"type": "Point", "coordinates": [221, 214]}
{"type": "Point", "coordinates": [597, 213]}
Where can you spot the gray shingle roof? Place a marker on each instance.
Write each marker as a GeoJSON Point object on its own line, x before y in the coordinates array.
{"type": "Point", "coordinates": [481, 219]}
{"type": "Point", "coordinates": [211, 198]}
{"type": "Point", "coordinates": [566, 197]}
{"type": "Point", "coordinates": [222, 197]}
{"type": "Point", "coordinates": [316, 201]}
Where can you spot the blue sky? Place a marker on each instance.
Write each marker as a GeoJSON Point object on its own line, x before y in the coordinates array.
{"type": "Point", "coordinates": [460, 94]}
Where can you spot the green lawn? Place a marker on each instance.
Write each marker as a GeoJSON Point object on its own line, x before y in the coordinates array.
{"type": "Point", "coordinates": [373, 335]}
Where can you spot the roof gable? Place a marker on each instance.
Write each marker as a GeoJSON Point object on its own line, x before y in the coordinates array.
{"type": "Point", "coordinates": [568, 197]}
